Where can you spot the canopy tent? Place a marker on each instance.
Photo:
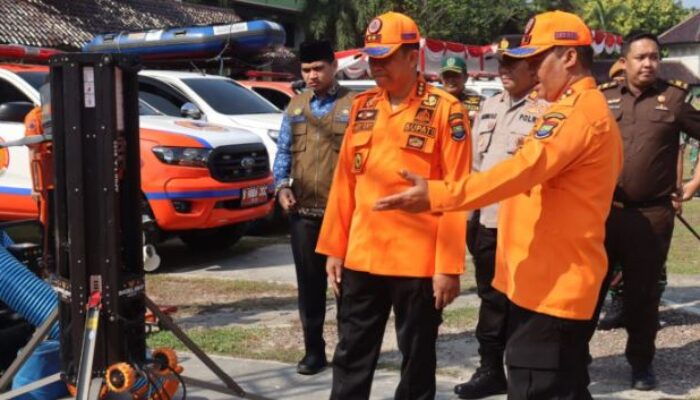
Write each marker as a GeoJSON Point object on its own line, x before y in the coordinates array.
{"type": "Point", "coordinates": [354, 64]}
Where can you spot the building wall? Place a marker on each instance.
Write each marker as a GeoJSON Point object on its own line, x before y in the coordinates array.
{"type": "Point", "coordinates": [688, 54]}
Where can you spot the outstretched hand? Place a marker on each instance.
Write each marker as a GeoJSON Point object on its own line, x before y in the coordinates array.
{"type": "Point", "coordinates": [414, 199]}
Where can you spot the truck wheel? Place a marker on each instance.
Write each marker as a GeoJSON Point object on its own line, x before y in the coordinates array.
{"type": "Point", "coordinates": [214, 239]}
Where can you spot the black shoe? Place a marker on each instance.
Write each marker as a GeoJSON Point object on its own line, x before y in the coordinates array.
{"type": "Point", "coordinates": [312, 364]}
{"type": "Point", "coordinates": [643, 379]}
{"type": "Point", "coordinates": [485, 382]}
{"type": "Point", "coordinates": [614, 316]}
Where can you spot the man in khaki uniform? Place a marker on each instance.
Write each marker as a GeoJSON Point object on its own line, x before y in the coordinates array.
{"type": "Point", "coordinates": [504, 122]}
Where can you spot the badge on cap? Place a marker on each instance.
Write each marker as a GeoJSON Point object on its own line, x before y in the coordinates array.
{"type": "Point", "coordinates": [450, 62]}
{"type": "Point", "coordinates": [503, 44]}
{"type": "Point", "coordinates": [661, 98]}
{"type": "Point", "coordinates": [374, 26]}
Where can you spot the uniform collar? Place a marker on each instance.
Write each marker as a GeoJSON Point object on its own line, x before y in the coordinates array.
{"type": "Point", "coordinates": [653, 88]}
{"type": "Point", "coordinates": [513, 102]}
{"type": "Point", "coordinates": [417, 93]}
{"type": "Point", "coordinates": [331, 94]}
{"type": "Point", "coordinates": [578, 87]}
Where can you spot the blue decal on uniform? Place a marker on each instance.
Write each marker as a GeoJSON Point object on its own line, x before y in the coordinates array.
{"type": "Point", "coordinates": [546, 129]}
{"type": "Point", "coordinates": [295, 119]}
{"type": "Point", "coordinates": [458, 132]}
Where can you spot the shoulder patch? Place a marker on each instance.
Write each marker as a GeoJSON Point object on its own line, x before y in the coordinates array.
{"type": "Point", "coordinates": [554, 115]}
{"type": "Point", "coordinates": [608, 85]}
{"type": "Point", "coordinates": [547, 128]}
{"type": "Point", "coordinates": [678, 83]}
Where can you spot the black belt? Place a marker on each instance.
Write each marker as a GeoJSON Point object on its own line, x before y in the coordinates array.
{"type": "Point", "coordinates": [659, 201]}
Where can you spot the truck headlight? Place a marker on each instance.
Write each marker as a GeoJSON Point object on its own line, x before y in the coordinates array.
{"type": "Point", "coordinates": [183, 156]}
{"type": "Point", "coordinates": [273, 134]}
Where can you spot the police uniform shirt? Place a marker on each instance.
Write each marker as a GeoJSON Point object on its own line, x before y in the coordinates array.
{"type": "Point", "coordinates": [498, 132]}
{"type": "Point", "coordinates": [650, 124]}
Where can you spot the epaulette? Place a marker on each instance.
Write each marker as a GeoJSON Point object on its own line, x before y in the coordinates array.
{"type": "Point", "coordinates": [678, 83]}
{"type": "Point", "coordinates": [608, 85]}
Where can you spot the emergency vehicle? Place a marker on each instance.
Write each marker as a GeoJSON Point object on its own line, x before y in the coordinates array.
{"type": "Point", "coordinates": [200, 181]}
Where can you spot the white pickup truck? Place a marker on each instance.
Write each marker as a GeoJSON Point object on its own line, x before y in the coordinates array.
{"type": "Point", "coordinates": [214, 99]}
{"type": "Point", "coordinates": [203, 182]}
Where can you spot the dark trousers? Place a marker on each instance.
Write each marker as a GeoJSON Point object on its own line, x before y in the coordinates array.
{"type": "Point", "coordinates": [547, 357]}
{"type": "Point", "coordinates": [639, 240]}
{"type": "Point", "coordinates": [363, 309]}
{"type": "Point", "coordinates": [493, 312]}
{"type": "Point", "coordinates": [311, 280]}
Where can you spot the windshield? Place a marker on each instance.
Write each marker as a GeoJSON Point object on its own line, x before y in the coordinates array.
{"type": "Point", "coordinates": [230, 98]}
{"type": "Point", "coordinates": [36, 79]}
{"type": "Point", "coordinates": [147, 109]}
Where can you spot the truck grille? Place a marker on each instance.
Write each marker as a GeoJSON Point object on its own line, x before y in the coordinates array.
{"type": "Point", "coordinates": [239, 162]}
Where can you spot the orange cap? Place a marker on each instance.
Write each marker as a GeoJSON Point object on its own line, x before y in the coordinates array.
{"type": "Point", "coordinates": [388, 32]}
{"type": "Point", "coordinates": [616, 69]}
{"type": "Point", "coordinates": [554, 28]}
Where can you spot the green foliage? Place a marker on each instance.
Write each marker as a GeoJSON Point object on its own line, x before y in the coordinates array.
{"type": "Point", "coordinates": [482, 21]}
{"type": "Point", "coordinates": [625, 16]}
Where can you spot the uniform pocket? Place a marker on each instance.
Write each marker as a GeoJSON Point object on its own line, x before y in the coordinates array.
{"type": "Point", "coordinates": [484, 140]}
{"type": "Point", "coordinates": [299, 134]}
{"type": "Point", "coordinates": [359, 142]}
{"type": "Point", "coordinates": [338, 132]}
{"type": "Point", "coordinates": [662, 116]}
{"type": "Point", "coordinates": [515, 141]}
{"type": "Point", "coordinates": [417, 154]}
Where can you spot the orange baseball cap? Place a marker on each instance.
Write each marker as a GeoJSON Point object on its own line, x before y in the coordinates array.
{"type": "Point", "coordinates": [554, 28]}
{"type": "Point", "coordinates": [388, 32]}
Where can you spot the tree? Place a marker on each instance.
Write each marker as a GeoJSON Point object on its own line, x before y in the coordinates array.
{"type": "Point", "coordinates": [625, 16]}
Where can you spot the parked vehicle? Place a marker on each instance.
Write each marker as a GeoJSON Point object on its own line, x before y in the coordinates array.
{"type": "Point", "coordinates": [200, 181]}
{"type": "Point", "coordinates": [214, 99]}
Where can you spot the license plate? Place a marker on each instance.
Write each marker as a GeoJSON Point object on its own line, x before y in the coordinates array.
{"type": "Point", "coordinates": [253, 195]}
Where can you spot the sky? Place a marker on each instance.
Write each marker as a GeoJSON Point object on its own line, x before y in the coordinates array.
{"type": "Point", "coordinates": [691, 3]}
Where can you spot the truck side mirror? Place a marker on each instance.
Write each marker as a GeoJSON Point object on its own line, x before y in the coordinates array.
{"type": "Point", "coordinates": [189, 110]}
{"type": "Point", "coordinates": [15, 111]}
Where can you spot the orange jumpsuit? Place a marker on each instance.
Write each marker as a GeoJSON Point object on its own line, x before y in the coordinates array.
{"type": "Point", "coordinates": [428, 134]}
{"type": "Point", "coordinates": [557, 191]}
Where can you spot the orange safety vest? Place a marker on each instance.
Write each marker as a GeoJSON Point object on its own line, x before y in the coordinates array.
{"type": "Point", "coordinates": [428, 134]}
{"type": "Point", "coordinates": [558, 190]}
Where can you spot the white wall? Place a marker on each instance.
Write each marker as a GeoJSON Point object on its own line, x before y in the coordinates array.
{"type": "Point", "coordinates": [688, 54]}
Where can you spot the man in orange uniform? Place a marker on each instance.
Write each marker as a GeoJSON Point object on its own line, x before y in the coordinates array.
{"type": "Point", "coordinates": [380, 261]}
{"type": "Point", "coordinates": [556, 193]}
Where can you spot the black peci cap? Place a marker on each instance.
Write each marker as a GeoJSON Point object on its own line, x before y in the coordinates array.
{"type": "Point", "coordinates": [316, 50]}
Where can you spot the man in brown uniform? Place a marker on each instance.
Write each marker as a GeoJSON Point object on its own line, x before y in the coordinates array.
{"type": "Point", "coordinates": [651, 113]}
{"type": "Point", "coordinates": [310, 137]}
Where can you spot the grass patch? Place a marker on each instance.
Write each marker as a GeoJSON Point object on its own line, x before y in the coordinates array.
{"type": "Point", "coordinates": [460, 317]}
{"type": "Point", "coordinates": [245, 342]}
{"type": "Point", "coordinates": [683, 255]}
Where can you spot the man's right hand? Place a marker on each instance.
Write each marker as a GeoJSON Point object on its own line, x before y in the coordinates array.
{"type": "Point", "coordinates": [287, 200]}
{"type": "Point", "coordinates": [334, 268]}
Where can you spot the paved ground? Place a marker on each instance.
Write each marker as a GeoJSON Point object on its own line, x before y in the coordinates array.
{"type": "Point", "coordinates": [272, 262]}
